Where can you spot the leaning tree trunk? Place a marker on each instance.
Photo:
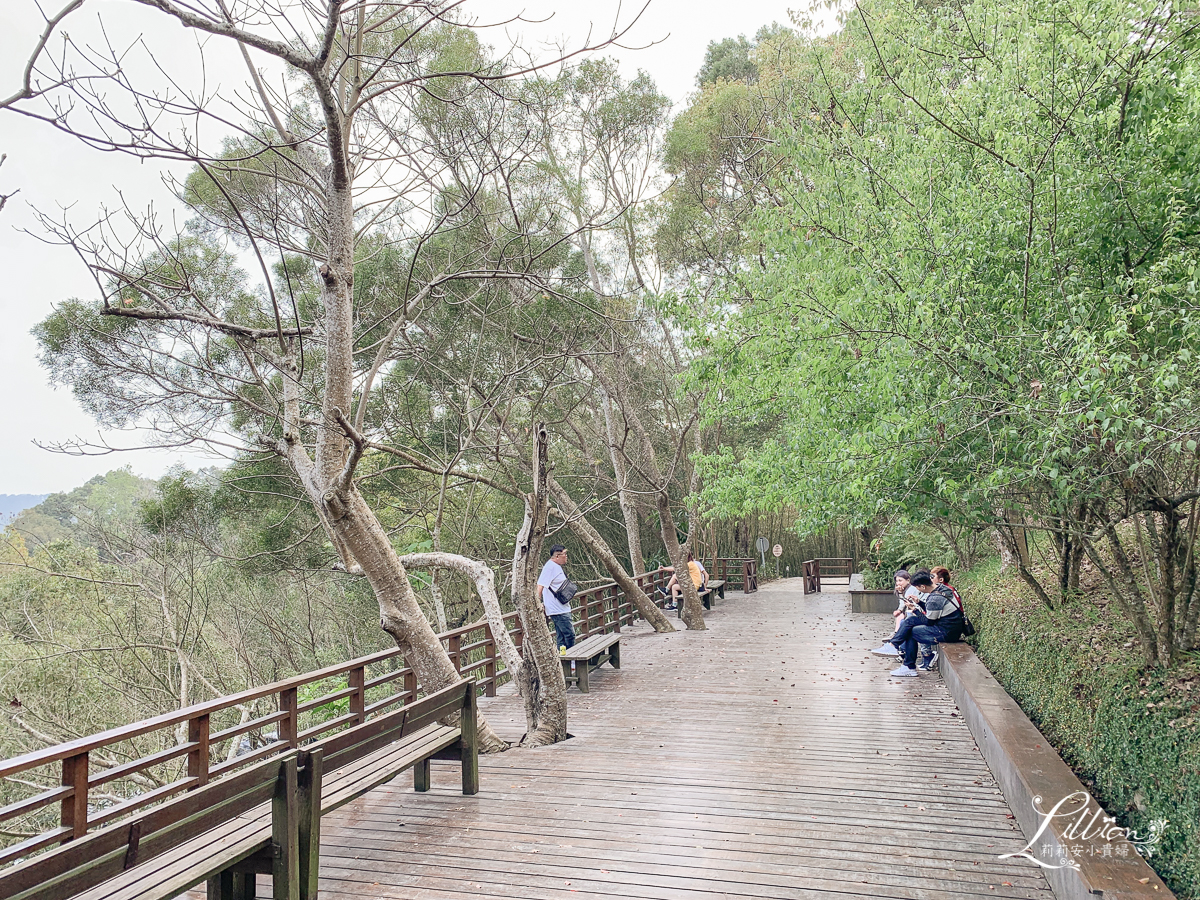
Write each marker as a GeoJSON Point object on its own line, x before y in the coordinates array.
{"type": "Point", "coordinates": [400, 614]}
{"type": "Point", "coordinates": [692, 612]}
{"type": "Point", "coordinates": [629, 510]}
{"type": "Point", "coordinates": [1122, 583]}
{"type": "Point", "coordinates": [595, 542]}
{"type": "Point", "coordinates": [1012, 538]}
{"type": "Point", "coordinates": [485, 584]}
{"type": "Point", "coordinates": [544, 688]}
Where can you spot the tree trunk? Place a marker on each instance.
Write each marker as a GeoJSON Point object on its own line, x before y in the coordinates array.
{"type": "Point", "coordinates": [485, 584]}
{"type": "Point", "coordinates": [351, 524]}
{"type": "Point", "coordinates": [1007, 557]}
{"type": "Point", "coordinates": [629, 510]}
{"type": "Point", "coordinates": [435, 587]}
{"type": "Point", "coordinates": [1012, 538]}
{"type": "Point", "coordinates": [692, 611]}
{"type": "Point", "coordinates": [1124, 587]}
{"type": "Point", "coordinates": [1191, 620]}
{"type": "Point", "coordinates": [544, 689]}
{"type": "Point", "coordinates": [595, 542]}
{"type": "Point", "coordinates": [399, 613]}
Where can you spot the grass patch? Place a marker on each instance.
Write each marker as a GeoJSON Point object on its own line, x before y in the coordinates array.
{"type": "Point", "coordinates": [1132, 735]}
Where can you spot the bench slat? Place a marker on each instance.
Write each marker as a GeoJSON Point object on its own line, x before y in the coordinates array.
{"type": "Point", "coordinates": [366, 738]}
{"type": "Point", "coordinates": [248, 835]}
{"type": "Point", "coordinates": [220, 831]}
{"type": "Point", "coordinates": [382, 767]}
{"type": "Point", "coordinates": [365, 762]}
{"type": "Point", "coordinates": [189, 864]}
{"type": "Point", "coordinates": [591, 646]}
{"type": "Point", "coordinates": [200, 810]}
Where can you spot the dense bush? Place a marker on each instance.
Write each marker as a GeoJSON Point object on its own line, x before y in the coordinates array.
{"type": "Point", "coordinates": [1131, 734]}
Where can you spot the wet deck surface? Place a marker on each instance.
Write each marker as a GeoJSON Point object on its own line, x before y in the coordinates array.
{"type": "Point", "coordinates": [769, 756]}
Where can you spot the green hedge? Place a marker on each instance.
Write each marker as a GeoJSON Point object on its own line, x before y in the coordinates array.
{"type": "Point", "coordinates": [1131, 735]}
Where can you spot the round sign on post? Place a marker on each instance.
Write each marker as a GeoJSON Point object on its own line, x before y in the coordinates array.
{"type": "Point", "coordinates": [777, 550]}
{"type": "Point", "coordinates": [763, 545]}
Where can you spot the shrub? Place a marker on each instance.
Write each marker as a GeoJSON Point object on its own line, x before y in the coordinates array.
{"type": "Point", "coordinates": [1131, 734]}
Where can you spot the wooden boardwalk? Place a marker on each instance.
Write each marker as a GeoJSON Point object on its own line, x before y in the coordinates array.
{"type": "Point", "coordinates": [769, 756]}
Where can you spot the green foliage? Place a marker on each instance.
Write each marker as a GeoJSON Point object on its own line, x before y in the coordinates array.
{"type": "Point", "coordinates": [736, 59]}
{"type": "Point", "coordinates": [975, 292]}
{"type": "Point", "coordinates": [728, 60]}
{"type": "Point", "coordinates": [1133, 737]}
{"type": "Point", "coordinates": [72, 515]}
{"type": "Point", "coordinates": [905, 544]}
{"type": "Point", "coordinates": [162, 604]}
{"type": "Point", "coordinates": [720, 152]}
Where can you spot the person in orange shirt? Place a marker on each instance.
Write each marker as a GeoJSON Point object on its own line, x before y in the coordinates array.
{"type": "Point", "coordinates": [675, 590]}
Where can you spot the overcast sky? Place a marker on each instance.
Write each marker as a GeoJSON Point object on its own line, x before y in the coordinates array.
{"type": "Point", "coordinates": [54, 172]}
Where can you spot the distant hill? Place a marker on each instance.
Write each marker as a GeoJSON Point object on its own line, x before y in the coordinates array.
{"type": "Point", "coordinates": [12, 504]}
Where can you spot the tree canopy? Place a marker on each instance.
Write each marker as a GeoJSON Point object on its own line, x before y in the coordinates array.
{"type": "Point", "coordinates": [974, 299]}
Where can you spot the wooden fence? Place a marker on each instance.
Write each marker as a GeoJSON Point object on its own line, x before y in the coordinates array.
{"type": "Point", "coordinates": [102, 778]}
{"type": "Point", "coordinates": [816, 569]}
{"type": "Point", "coordinates": [736, 572]}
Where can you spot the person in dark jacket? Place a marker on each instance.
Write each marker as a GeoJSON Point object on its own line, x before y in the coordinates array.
{"type": "Point", "coordinates": [941, 621]}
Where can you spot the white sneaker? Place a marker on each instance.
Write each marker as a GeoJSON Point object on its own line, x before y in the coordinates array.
{"type": "Point", "coordinates": [886, 650]}
{"type": "Point", "coordinates": [904, 672]}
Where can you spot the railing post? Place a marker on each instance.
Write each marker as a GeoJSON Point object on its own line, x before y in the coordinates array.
{"type": "Point", "coordinates": [74, 808]}
{"type": "Point", "coordinates": [289, 727]}
{"type": "Point", "coordinates": [452, 645]}
{"type": "Point", "coordinates": [197, 763]}
{"type": "Point", "coordinates": [356, 679]}
{"type": "Point", "coordinates": [489, 666]}
{"type": "Point", "coordinates": [410, 685]}
{"type": "Point", "coordinates": [615, 596]}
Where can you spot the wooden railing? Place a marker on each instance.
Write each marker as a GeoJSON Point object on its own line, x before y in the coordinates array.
{"type": "Point", "coordinates": [816, 569]}
{"type": "Point", "coordinates": [736, 572]}
{"type": "Point", "coordinates": [134, 766]}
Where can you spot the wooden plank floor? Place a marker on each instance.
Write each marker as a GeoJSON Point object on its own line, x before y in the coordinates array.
{"type": "Point", "coordinates": [769, 756]}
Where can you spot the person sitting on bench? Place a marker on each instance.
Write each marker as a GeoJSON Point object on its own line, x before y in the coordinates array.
{"type": "Point", "coordinates": [675, 589]}
{"type": "Point", "coordinates": [941, 621]}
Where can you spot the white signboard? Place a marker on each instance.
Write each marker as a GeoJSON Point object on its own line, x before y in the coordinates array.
{"type": "Point", "coordinates": [777, 550]}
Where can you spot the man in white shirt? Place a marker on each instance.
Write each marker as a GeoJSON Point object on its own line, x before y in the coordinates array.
{"type": "Point", "coordinates": [552, 578]}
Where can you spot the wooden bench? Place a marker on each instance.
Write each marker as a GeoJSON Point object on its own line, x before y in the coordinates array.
{"type": "Point", "coordinates": [707, 596]}
{"type": "Point", "coordinates": [371, 754]}
{"type": "Point", "coordinates": [247, 821]}
{"type": "Point", "coordinates": [588, 654]}
{"type": "Point", "coordinates": [265, 819]}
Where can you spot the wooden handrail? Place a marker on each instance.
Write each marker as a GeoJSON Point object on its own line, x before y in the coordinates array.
{"type": "Point", "coordinates": [58, 752]}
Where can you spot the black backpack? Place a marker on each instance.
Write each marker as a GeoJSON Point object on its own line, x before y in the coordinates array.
{"type": "Point", "coordinates": [968, 628]}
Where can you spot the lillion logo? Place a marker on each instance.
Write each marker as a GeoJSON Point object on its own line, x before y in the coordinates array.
{"type": "Point", "coordinates": [1089, 833]}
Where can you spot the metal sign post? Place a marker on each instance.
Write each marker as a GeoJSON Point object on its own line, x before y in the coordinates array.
{"type": "Point", "coordinates": [763, 544]}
